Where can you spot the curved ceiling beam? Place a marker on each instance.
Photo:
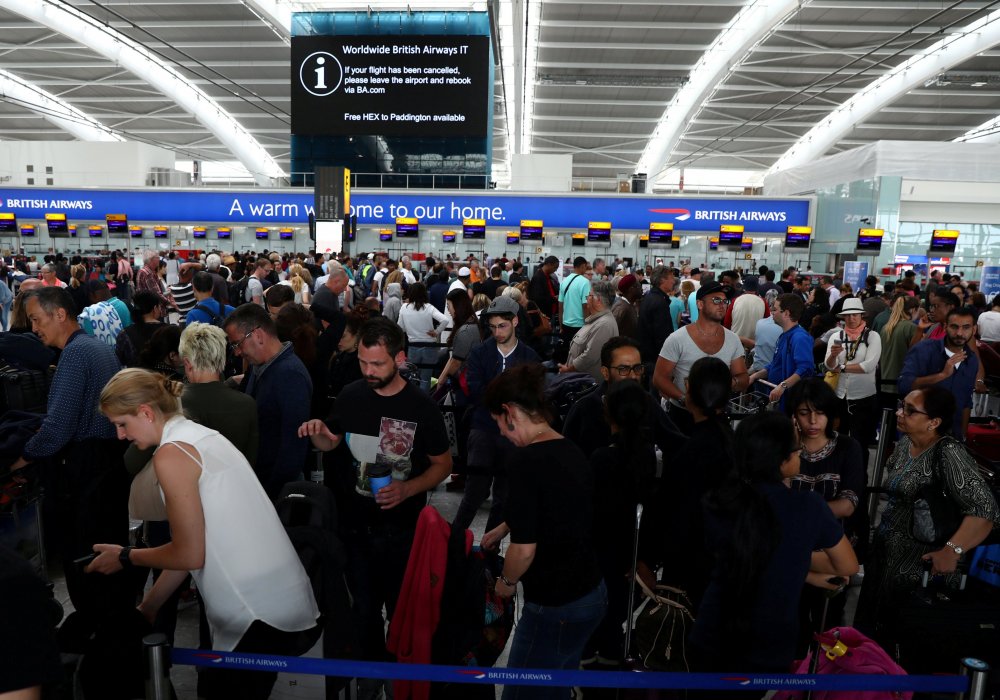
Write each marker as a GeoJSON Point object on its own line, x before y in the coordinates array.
{"type": "Point", "coordinates": [988, 132]}
{"type": "Point", "coordinates": [118, 48]}
{"type": "Point", "coordinates": [749, 27]}
{"type": "Point", "coordinates": [959, 46]}
{"type": "Point", "coordinates": [54, 110]}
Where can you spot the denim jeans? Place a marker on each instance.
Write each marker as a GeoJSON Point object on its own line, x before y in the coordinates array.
{"type": "Point", "coordinates": [425, 359]}
{"type": "Point", "coordinates": [552, 637]}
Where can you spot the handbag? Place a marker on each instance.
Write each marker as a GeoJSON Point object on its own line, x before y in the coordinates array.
{"type": "Point", "coordinates": [935, 516]}
{"type": "Point", "coordinates": [544, 326]}
{"type": "Point", "coordinates": [832, 379]}
{"type": "Point", "coordinates": [662, 629]}
{"type": "Point", "coordinates": [847, 651]}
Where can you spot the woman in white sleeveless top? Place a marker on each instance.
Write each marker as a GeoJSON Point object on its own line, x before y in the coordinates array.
{"type": "Point", "coordinates": [225, 530]}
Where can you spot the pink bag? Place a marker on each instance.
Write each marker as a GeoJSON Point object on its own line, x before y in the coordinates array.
{"type": "Point", "coordinates": [847, 651]}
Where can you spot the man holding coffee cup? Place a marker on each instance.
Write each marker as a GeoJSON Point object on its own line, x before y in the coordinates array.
{"type": "Point", "coordinates": [398, 447]}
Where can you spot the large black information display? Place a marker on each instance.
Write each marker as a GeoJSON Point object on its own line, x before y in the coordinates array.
{"type": "Point", "coordinates": [390, 85]}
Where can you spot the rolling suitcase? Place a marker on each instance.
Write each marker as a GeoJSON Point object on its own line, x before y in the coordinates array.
{"type": "Point", "coordinates": [24, 390]}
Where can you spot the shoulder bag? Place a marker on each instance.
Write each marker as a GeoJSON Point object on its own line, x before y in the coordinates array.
{"type": "Point", "coordinates": [935, 516]}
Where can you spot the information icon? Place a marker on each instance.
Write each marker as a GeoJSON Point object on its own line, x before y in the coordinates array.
{"type": "Point", "coordinates": [321, 73]}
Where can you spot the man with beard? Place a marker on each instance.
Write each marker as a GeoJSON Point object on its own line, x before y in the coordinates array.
{"type": "Point", "coordinates": [388, 425]}
{"type": "Point", "coordinates": [950, 363]}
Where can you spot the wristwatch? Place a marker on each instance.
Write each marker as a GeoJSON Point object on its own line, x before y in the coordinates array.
{"type": "Point", "coordinates": [784, 386]}
{"type": "Point", "coordinates": [508, 582]}
{"type": "Point", "coordinates": [123, 557]}
{"type": "Point", "coordinates": [958, 550]}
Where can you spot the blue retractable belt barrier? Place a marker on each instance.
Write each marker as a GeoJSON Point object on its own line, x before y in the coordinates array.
{"type": "Point", "coordinates": [583, 679]}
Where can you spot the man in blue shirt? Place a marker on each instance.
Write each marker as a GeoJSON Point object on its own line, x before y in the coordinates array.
{"type": "Point", "coordinates": [207, 309]}
{"type": "Point", "coordinates": [80, 442]}
{"type": "Point", "coordinates": [573, 293]}
{"type": "Point", "coordinates": [793, 354]}
{"type": "Point", "coordinates": [949, 363]}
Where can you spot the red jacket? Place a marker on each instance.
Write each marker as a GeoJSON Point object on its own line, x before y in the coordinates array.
{"type": "Point", "coordinates": [419, 607]}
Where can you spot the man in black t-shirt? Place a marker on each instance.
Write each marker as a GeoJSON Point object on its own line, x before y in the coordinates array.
{"type": "Point", "coordinates": [382, 420]}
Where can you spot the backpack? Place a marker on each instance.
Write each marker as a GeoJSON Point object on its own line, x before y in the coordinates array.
{"type": "Point", "coordinates": [309, 513]}
{"type": "Point", "coordinates": [217, 320]}
{"type": "Point", "coordinates": [365, 276]}
{"type": "Point", "coordinates": [238, 291]}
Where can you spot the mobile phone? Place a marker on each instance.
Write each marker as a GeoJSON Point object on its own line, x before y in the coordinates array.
{"type": "Point", "coordinates": [84, 561]}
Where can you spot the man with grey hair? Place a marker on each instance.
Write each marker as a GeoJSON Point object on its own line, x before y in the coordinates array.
{"type": "Point", "coordinates": [327, 296]}
{"type": "Point", "coordinates": [147, 279]}
{"type": "Point", "coordinates": [599, 326]}
{"type": "Point", "coordinates": [655, 323]}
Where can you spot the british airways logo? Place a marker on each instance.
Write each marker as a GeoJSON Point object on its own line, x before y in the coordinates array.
{"type": "Point", "coordinates": [214, 658]}
{"type": "Point", "coordinates": [679, 214]}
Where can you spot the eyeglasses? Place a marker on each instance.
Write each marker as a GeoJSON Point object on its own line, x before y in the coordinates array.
{"type": "Point", "coordinates": [719, 301]}
{"type": "Point", "coordinates": [236, 346]}
{"type": "Point", "coordinates": [494, 327]}
{"type": "Point", "coordinates": [907, 409]}
{"type": "Point", "coordinates": [625, 370]}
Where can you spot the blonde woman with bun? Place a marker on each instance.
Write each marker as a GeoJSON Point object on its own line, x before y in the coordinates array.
{"type": "Point", "coordinates": [225, 533]}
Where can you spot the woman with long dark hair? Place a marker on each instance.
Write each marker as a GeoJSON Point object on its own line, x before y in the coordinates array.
{"type": "Point", "coordinates": [678, 505]}
{"type": "Point", "coordinates": [466, 334]}
{"type": "Point", "coordinates": [549, 517]}
{"type": "Point", "coordinates": [624, 475]}
{"type": "Point", "coordinates": [417, 319]}
{"type": "Point", "coordinates": [767, 539]}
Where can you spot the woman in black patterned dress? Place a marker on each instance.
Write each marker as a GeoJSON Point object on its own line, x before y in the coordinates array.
{"type": "Point", "coordinates": [895, 565]}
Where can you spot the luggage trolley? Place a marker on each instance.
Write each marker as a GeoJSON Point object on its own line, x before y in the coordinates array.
{"type": "Point", "coordinates": [749, 403]}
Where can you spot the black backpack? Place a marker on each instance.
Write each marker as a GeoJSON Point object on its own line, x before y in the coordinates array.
{"type": "Point", "coordinates": [238, 291]}
{"type": "Point", "coordinates": [309, 513]}
{"type": "Point", "coordinates": [217, 320]}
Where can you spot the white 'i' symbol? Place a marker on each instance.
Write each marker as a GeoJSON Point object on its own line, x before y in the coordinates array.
{"type": "Point", "coordinates": [320, 74]}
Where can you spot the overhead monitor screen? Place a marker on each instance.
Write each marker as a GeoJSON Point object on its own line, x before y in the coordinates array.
{"type": "Point", "coordinates": [644, 240]}
{"type": "Point", "coordinates": [330, 235]}
{"type": "Point", "coordinates": [224, 232]}
{"type": "Point", "coordinates": [531, 230]}
{"type": "Point", "coordinates": [870, 240]}
{"type": "Point", "coordinates": [798, 236]}
{"type": "Point", "coordinates": [198, 232]}
{"type": "Point", "coordinates": [599, 232]}
{"type": "Point", "coordinates": [431, 85]}
{"type": "Point", "coordinates": [117, 224]}
{"type": "Point", "coordinates": [746, 244]}
{"type": "Point", "coordinates": [57, 224]}
{"type": "Point", "coordinates": [95, 231]}
{"type": "Point", "coordinates": [513, 238]}
{"type": "Point", "coordinates": [385, 235]}
{"type": "Point", "coordinates": [286, 234]}
{"type": "Point", "coordinates": [160, 231]}
{"type": "Point", "coordinates": [579, 239]}
{"type": "Point", "coordinates": [944, 241]}
{"type": "Point", "coordinates": [407, 227]}
{"type": "Point", "coordinates": [473, 229]}
{"type": "Point", "coordinates": [8, 223]}
{"type": "Point", "coordinates": [448, 237]}
{"type": "Point", "coordinates": [661, 232]}
{"type": "Point", "coordinates": [730, 235]}
{"type": "Point", "coordinates": [262, 234]}
{"type": "Point", "coordinates": [134, 231]}
{"type": "Point", "coordinates": [72, 230]}
{"type": "Point", "coordinates": [713, 243]}
{"type": "Point", "coordinates": [28, 230]}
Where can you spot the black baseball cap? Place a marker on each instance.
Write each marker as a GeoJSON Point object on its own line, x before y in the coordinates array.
{"type": "Point", "coordinates": [709, 288]}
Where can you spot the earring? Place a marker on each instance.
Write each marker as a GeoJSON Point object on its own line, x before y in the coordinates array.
{"type": "Point", "coordinates": [510, 426]}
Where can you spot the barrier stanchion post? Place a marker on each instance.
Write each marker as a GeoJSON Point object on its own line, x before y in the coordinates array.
{"type": "Point", "coordinates": [978, 674]}
{"type": "Point", "coordinates": [629, 658]}
{"type": "Point", "coordinates": [157, 667]}
{"type": "Point", "coordinates": [883, 443]}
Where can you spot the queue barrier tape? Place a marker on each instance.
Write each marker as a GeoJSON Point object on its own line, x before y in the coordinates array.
{"type": "Point", "coordinates": [561, 678]}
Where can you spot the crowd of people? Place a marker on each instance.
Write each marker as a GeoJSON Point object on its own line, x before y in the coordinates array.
{"type": "Point", "coordinates": [225, 371]}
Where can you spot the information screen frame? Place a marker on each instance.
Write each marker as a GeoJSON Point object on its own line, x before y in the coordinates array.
{"type": "Point", "coordinates": [134, 231]}
{"type": "Point", "coordinates": [798, 237]}
{"type": "Point", "coordinates": [944, 240]}
{"type": "Point", "coordinates": [661, 233]}
{"type": "Point", "coordinates": [8, 223]}
{"type": "Point", "coordinates": [473, 229]}
{"type": "Point", "coordinates": [578, 240]}
{"type": "Point", "coordinates": [117, 225]}
{"type": "Point", "coordinates": [262, 234]}
{"type": "Point", "coordinates": [407, 227]}
{"type": "Point", "coordinates": [869, 240]}
{"type": "Point", "coordinates": [199, 232]}
{"type": "Point", "coordinates": [286, 234]}
{"type": "Point", "coordinates": [513, 238]}
{"type": "Point", "coordinates": [161, 232]}
{"type": "Point", "coordinates": [57, 225]}
{"type": "Point", "coordinates": [599, 232]}
{"type": "Point", "coordinates": [28, 231]}
{"type": "Point", "coordinates": [431, 85]}
{"type": "Point", "coordinates": [448, 236]}
{"type": "Point", "coordinates": [95, 231]}
{"type": "Point", "coordinates": [713, 243]}
{"type": "Point", "coordinates": [532, 230]}
{"type": "Point", "coordinates": [730, 236]}
{"type": "Point", "coordinates": [224, 233]}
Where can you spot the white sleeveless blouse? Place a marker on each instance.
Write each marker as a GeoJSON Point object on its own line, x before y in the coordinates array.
{"type": "Point", "coordinates": [251, 570]}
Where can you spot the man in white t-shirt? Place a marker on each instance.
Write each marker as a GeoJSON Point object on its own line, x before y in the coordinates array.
{"type": "Point", "coordinates": [706, 337]}
{"type": "Point", "coordinates": [255, 288]}
{"type": "Point", "coordinates": [989, 322]}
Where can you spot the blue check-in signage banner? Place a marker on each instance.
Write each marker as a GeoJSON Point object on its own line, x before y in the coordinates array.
{"type": "Point", "coordinates": [630, 212]}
